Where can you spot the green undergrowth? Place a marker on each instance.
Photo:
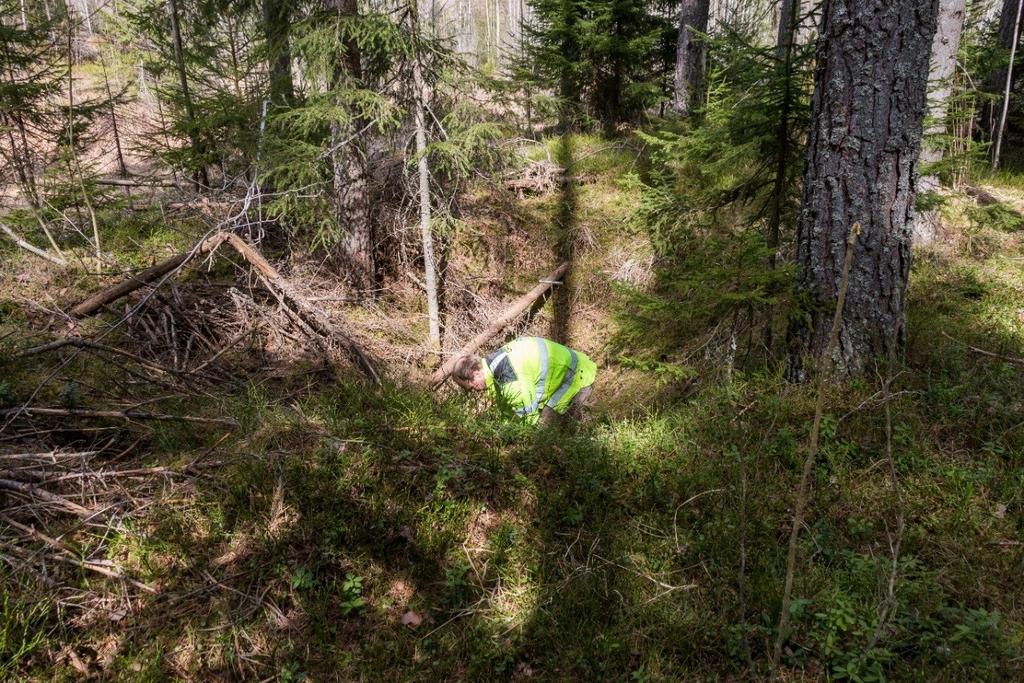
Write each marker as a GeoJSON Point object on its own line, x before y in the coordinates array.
{"type": "Point", "coordinates": [342, 532]}
{"type": "Point", "coordinates": [642, 549]}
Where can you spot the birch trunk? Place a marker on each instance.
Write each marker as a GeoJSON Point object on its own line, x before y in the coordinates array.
{"type": "Point", "coordinates": [426, 230]}
{"type": "Point", "coordinates": [945, 46]}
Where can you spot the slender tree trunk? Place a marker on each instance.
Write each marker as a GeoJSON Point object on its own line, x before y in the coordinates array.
{"type": "Point", "coordinates": [15, 159]}
{"type": "Point", "coordinates": [348, 158]}
{"type": "Point", "coordinates": [87, 15]}
{"type": "Point", "coordinates": [784, 45]}
{"type": "Point", "coordinates": [869, 99]}
{"type": "Point", "coordinates": [1006, 91]}
{"type": "Point", "coordinates": [945, 46]}
{"type": "Point", "coordinates": [1004, 40]}
{"type": "Point", "coordinates": [784, 52]}
{"type": "Point", "coordinates": [691, 55]}
{"type": "Point", "coordinates": [25, 167]}
{"type": "Point", "coordinates": [277, 26]}
{"type": "Point", "coordinates": [236, 77]}
{"type": "Point", "coordinates": [122, 169]}
{"type": "Point", "coordinates": [200, 178]}
{"type": "Point", "coordinates": [426, 229]}
{"type": "Point", "coordinates": [72, 153]}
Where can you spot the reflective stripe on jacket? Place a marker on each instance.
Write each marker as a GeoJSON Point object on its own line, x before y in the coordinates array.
{"type": "Point", "coordinates": [530, 373]}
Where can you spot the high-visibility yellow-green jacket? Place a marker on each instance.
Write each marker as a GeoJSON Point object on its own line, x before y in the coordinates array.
{"type": "Point", "coordinates": [530, 373]}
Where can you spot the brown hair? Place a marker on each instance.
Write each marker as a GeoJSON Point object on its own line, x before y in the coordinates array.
{"type": "Point", "coordinates": [465, 367]}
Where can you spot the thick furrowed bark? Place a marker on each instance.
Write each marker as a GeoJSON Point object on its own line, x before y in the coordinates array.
{"type": "Point", "coordinates": [865, 138]}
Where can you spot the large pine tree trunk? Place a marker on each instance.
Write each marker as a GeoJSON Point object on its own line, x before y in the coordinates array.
{"type": "Point", "coordinates": [869, 99]}
{"type": "Point", "coordinates": [945, 45]}
{"type": "Point", "coordinates": [348, 158]}
{"type": "Point", "coordinates": [691, 55]}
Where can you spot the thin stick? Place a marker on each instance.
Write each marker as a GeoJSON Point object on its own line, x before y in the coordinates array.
{"type": "Point", "coordinates": [113, 414]}
{"type": "Point", "coordinates": [990, 354]}
{"type": "Point", "coordinates": [42, 494]}
{"type": "Point", "coordinates": [888, 603]}
{"type": "Point", "coordinates": [234, 340]}
{"type": "Point", "coordinates": [812, 450]}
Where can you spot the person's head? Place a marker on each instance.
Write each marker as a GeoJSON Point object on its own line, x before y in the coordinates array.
{"type": "Point", "coordinates": [468, 373]}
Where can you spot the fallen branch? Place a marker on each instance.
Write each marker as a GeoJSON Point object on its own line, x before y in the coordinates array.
{"type": "Point", "coordinates": [224, 349]}
{"type": "Point", "coordinates": [32, 248]}
{"type": "Point", "coordinates": [137, 182]}
{"type": "Point", "coordinates": [306, 311]}
{"type": "Point", "coordinates": [111, 294]}
{"type": "Point", "coordinates": [78, 342]}
{"type": "Point", "coordinates": [499, 323]}
{"type": "Point", "coordinates": [114, 415]}
{"type": "Point", "coordinates": [64, 554]}
{"type": "Point", "coordinates": [44, 495]}
{"type": "Point", "coordinates": [990, 354]}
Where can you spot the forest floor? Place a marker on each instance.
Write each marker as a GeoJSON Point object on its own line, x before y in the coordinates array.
{"type": "Point", "coordinates": [339, 532]}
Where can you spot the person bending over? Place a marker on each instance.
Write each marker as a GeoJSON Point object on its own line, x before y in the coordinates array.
{"type": "Point", "coordinates": [532, 377]}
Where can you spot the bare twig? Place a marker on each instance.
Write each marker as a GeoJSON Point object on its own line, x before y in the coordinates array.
{"type": "Point", "coordinates": [990, 354]}
{"type": "Point", "coordinates": [44, 495]}
{"type": "Point", "coordinates": [812, 450]}
{"type": "Point", "coordinates": [112, 414]}
{"type": "Point", "coordinates": [31, 248]}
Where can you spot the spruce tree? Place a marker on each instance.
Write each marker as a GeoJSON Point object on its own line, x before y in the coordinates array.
{"type": "Point", "coordinates": [603, 58]}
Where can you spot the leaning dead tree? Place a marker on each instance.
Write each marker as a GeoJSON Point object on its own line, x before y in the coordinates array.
{"type": "Point", "coordinates": [308, 317]}
{"type": "Point", "coordinates": [500, 323]}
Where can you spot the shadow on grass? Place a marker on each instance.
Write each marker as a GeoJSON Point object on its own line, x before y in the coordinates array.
{"type": "Point", "coordinates": [644, 550]}
{"type": "Point", "coordinates": [565, 242]}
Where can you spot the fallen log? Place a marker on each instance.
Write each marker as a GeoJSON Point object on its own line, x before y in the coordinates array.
{"type": "Point", "coordinates": [136, 182]}
{"type": "Point", "coordinates": [986, 198]}
{"type": "Point", "coordinates": [499, 323]}
{"type": "Point", "coordinates": [306, 312]}
{"type": "Point", "coordinates": [114, 415]}
{"type": "Point", "coordinates": [111, 294]}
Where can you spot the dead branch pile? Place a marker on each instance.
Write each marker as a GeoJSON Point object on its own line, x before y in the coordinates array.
{"type": "Point", "coordinates": [318, 327]}
{"type": "Point", "coordinates": [539, 177]}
